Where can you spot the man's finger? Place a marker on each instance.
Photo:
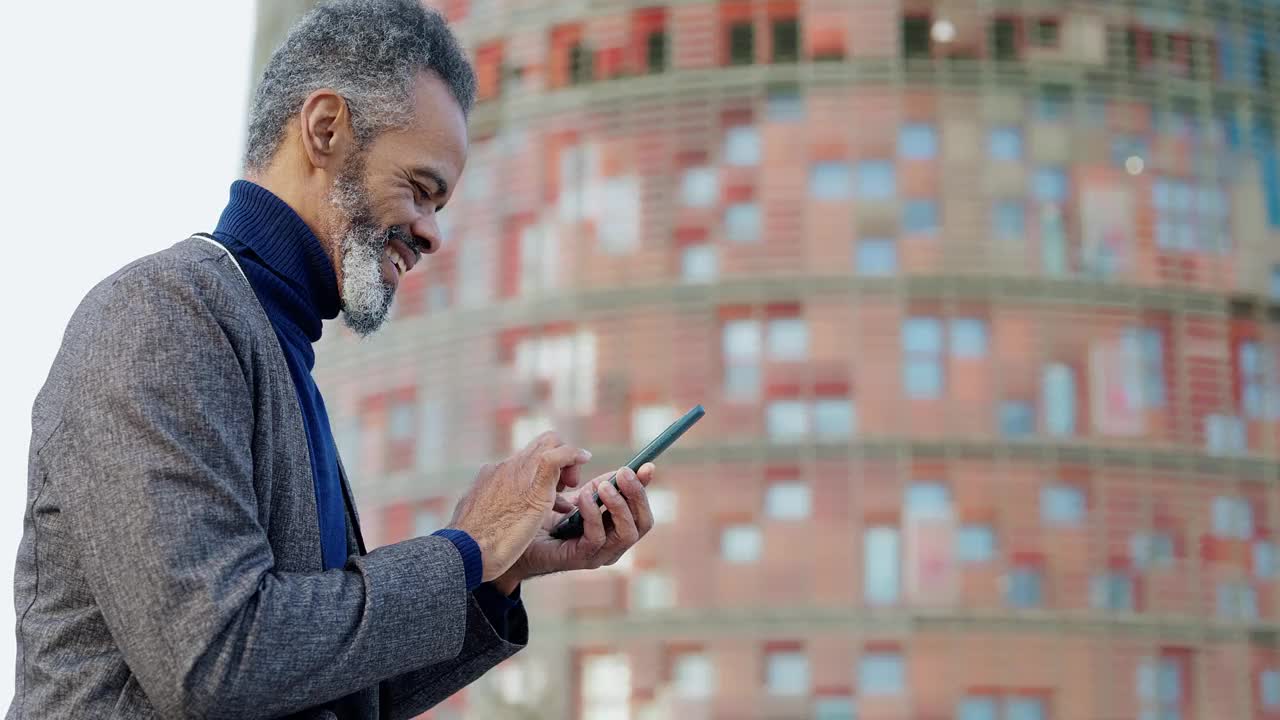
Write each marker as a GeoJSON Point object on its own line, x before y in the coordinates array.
{"type": "Point", "coordinates": [570, 477]}
{"type": "Point", "coordinates": [638, 500]}
{"type": "Point", "coordinates": [563, 504]}
{"type": "Point", "coordinates": [624, 524]}
{"type": "Point", "coordinates": [552, 462]}
{"type": "Point", "coordinates": [593, 535]}
{"type": "Point", "coordinates": [646, 473]}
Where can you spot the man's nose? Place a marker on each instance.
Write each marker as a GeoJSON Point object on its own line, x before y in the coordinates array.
{"type": "Point", "coordinates": [426, 230]}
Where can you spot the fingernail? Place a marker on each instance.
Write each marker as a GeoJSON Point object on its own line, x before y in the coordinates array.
{"type": "Point", "coordinates": [584, 455]}
{"type": "Point", "coordinates": [608, 489]}
{"type": "Point", "coordinates": [625, 472]}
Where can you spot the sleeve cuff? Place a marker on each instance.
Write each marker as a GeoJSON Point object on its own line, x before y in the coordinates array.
{"type": "Point", "coordinates": [496, 607]}
{"type": "Point", "coordinates": [470, 552]}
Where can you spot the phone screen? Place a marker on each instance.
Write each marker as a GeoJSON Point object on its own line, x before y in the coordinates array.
{"type": "Point", "coordinates": [571, 525]}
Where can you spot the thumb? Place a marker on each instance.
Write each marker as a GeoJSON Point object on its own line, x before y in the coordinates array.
{"type": "Point", "coordinates": [553, 461]}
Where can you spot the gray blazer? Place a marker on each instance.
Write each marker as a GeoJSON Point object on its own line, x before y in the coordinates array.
{"type": "Point", "coordinates": [170, 559]}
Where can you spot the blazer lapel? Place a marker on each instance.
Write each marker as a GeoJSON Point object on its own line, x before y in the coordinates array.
{"type": "Point", "coordinates": [353, 517]}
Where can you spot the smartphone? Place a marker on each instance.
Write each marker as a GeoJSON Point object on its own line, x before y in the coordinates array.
{"type": "Point", "coordinates": [571, 525]}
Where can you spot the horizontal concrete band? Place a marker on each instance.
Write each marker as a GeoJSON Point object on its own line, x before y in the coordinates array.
{"type": "Point", "coordinates": [408, 487]}
{"type": "Point", "coordinates": [693, 625]}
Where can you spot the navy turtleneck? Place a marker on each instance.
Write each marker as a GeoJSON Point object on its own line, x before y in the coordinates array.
{"type": "Point", "coordinates": [294, 280]}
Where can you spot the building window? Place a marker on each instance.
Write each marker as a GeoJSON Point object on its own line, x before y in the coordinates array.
{"type": "Point", "coordinates": [976, 544]}
{"type": "Point", "coordinates": [700, 187]}
{"type": "Point", "coordinates": [787, 420]}
{"type": "Point", "coordinates": [920, 217]}
{"type": "Point", "coordinates": [606, 686]}
{"type": "Point", "coordinates": [786, 40]}
{"type": "Point", "coordinates": [1147, 345]}
{"type": "Point", "coordinates": [922, 348]}
{"type": "Point", "coordinates": [653, 591]}
{"type": "Point", "coordinates": [581, 63]}
{"type": "Point", "coordinates": [1232, 518]}
{"type": "Point", "coordinates": [1269, 688]}
{"type": "Point", "coordinates": [968, 338]}
{"type": "Point", "coordinates": [834, 708]}
{"type": "Point", "coordinates": [788, 501]}
{"type": "Point", "coordinates": [1259, 396]}
{"type": "Point", "coordinates": [1046, 33]}
{"type": "Point", "coordinates": [875, 180]}
{"type": "Point", "coordinates": [1004, 144]}
{"type": "Point", "coordinates": [742, 43]}
{"type": "Point", "coordinates": [917, 141]}
{"type": "Point", "coordinates": [1058, 388]}
{"type": "Point", "coordinates": [916, 42]}
{"type": "Point", "coordinates": [1054, 103]}
{"type": "Point", "coordinates": [784, 105]}
{"type": "Point", "coordinates": [742, 350]}
{"type": "Point", "coordinates": [741, 544]}
{"type": "Point", "coordinates": [1024, 709]}
{"type": "Point", "coordinates": [1017, 419]}
{"type": "Point", "coordinates": [787, 674]}
{"type": "Point", "coordinates": [1124, 147]}
{"type": "Point", "coordinates": [1151, 550]}
{"type": "Point", "coordinates": [1275, 282]}
{"type": "Point", "coordinates": [881, 565]}
{"type": "Point", "coordinates": [742, 146]}
{"type": "Point", "coordinates": [1004, 39]}
{"type": "Point", "coordinates": [830, 180]}
{"type": "Point", "coordinates": [695, 676]}
{"type": "Point", "coordinates": [1191, 217]}
{"type": "Point", "coordinates": [742, 222]}
{"type": "Point", "coordinates": [1264, 560]}
{"type": "Point", "coordinates": [656, 51]}
{"type": "Point", "coordinates": [788, 339]}
{"type": "Point", "coordinates": [1009, 219]}
{"type": "Point", "coordinates": [1051, 185]}
{"type": "Point", "coordinates": [662, 502]}
{"type": "Point", "coordinates": [699, 263]}
{"type": "Point", "coordinates": [647, 421]}
{"type": "Point", "coordinates": [882, 674]}
{"type": "Point", "coordinates": [927, 500]}
{"type": "Point", "coordinates": [426, 522]}
{"type": "Point", "coordinates": [1224, 435]}
{"type": "Point", "coordinates": [1237, 601]}
{"type": "Point", "coordinates": [978, 708]}
{"type": "Point", "coordinates": [834, 418]}
{"type": "Point", "coordinates": [1112, 591]}
{"type": "Point", "coordinates": [876, 257]}
{"type": "Point", "coordinates": [1062, 506]}
{"type": "Point", "coordinates": [1024, 589]}
{"type": "Point", "coordinates": [1160, 688]}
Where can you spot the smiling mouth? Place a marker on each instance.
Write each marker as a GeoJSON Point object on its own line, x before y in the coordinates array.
{"type": "Point", "coordinates": [403, 255]}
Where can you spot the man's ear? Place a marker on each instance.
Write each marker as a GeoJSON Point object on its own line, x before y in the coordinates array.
{"type": "Point", "coordinates": [326, 128]}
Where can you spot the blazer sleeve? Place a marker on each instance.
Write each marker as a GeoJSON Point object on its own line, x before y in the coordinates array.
{"type": "Point", "coordinates": [154, 453]}
{"type": "Point", "coordinates": [413, 693]}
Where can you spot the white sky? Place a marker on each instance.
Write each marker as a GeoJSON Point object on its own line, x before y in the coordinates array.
{"type": "Point", "coordinates": [122, 125]}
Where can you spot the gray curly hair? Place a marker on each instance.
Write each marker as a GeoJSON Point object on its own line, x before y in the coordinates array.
{"type": "Point", "coordinates": [368, 51]}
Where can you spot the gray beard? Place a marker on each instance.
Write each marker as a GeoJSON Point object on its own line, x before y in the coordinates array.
{"type": "Point", "coordinates": [366, 297]}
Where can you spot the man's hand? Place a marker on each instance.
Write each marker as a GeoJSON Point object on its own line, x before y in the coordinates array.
{"type": "Point", "coordinates": [508, 501]}
{"type": "Point", "coordinates": [602, 542]}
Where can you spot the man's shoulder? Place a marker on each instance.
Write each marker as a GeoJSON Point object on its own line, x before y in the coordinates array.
{"type": "Point", "coordinates": [194, 274]}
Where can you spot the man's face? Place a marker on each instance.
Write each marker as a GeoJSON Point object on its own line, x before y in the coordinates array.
{"type": "Point", "coordinates": [387, 196]}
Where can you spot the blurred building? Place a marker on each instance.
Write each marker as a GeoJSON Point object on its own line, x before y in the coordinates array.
{"type": "Point", "coordinates": [980, 299]}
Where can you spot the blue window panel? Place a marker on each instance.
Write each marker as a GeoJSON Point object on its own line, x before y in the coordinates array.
{"type": "Point", "coordinates": [978, 708]}
{"type": "Point", "coordinates": [830, 180]}
{"type": "Point", "coordinates": [1112, 591]}
{"type": "Point", "coordinates": [928, 499]}
{"type": "Point", "coordinates": [1257, 49]}
{"type": "Point", "coordinates": [918, 141]}
{"type": "Point", "coordinates": [784, 106]}
{"type": "Point", "coordinates": [875, 180]}
{"type": "Point", "coordinates": [1269, 162]}
{"type": "Point", "coordinates": [1053, 102]}
{"type": "Point", "coordinates": [922, 335]}
{"type": "Point", "coordinates": [1227, 53]}
{"type": "Point", "coordinates": [1127, 146]}
{"type": "Point", "coordinates": [1005, 144]}
{"type": "Point", "coordinates": [1051, 184]}
{"type": "Point", "coordinates": [923, 378]}
{"type": "Point", "coordinates": [1275, 282]}
{"type": "Point", "coordinates": [968, 338]}
{"type": "Point", "coordinates": [1062, 505]}
{"type": "Point", "coordinates": [1269, 687]}
{"type": "Point", "coordinates": [1010, 220]}
{"type": "Point", "coordinates": [1058, 388]}
{"type": "Point", "coordinates": [1025, 588]}
{"type": "Point", "coordinates": [920, 217]}
{"type": "Point", "coordinates": [975, 544]}
{"type": "Point", "coordinates": [1024, 709]}
{"type": "Point", "coordinates": [834, 709]}
{"type": "Point", "coordinates": [876, 257]}
{"type": "Point", "coordinates": [881, 674]}
{"type": "Point", "coordinates": [1017, 419]}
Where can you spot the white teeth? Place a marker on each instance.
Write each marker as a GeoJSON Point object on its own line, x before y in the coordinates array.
{"type": "Point", "coordinates": [396, 260]}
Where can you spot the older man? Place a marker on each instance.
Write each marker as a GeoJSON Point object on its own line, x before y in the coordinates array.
{"type": "Point", "coordinates": [190, 547]}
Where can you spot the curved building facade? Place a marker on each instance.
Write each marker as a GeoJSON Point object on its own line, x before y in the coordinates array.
{"type": "Point", "coordinates": [979, 297]}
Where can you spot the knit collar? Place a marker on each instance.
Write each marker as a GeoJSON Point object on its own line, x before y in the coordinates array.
{"type": "Point", "coordinates": [257, 221]}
